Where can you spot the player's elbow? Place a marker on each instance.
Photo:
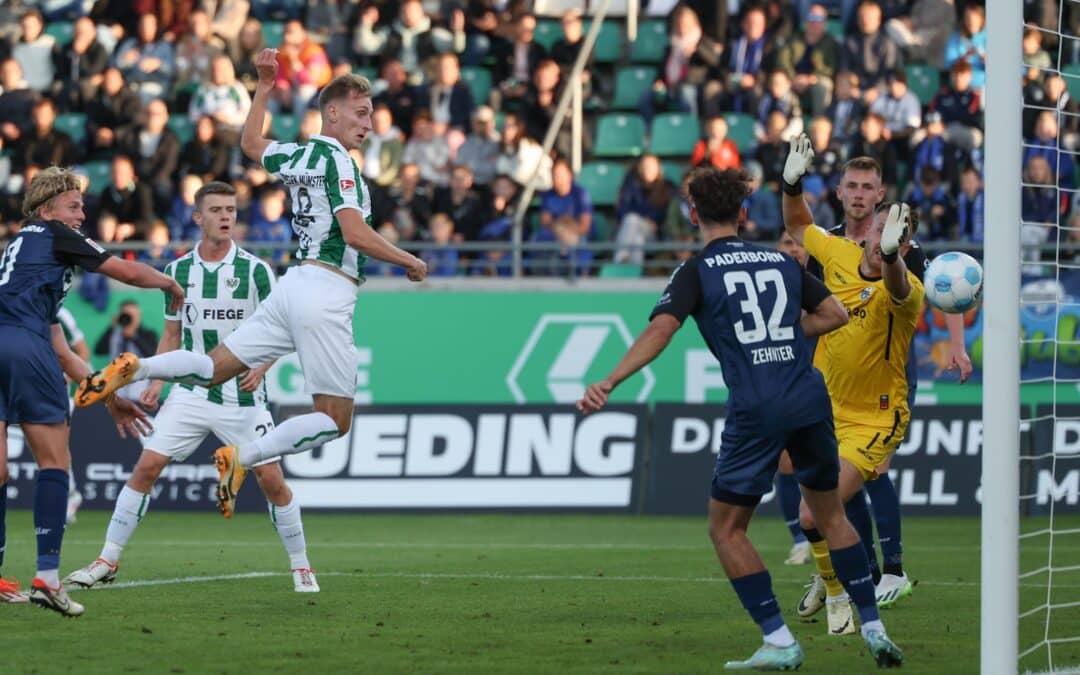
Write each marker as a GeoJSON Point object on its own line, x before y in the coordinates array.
{"type": "Point", "coordinates": [834, 313]}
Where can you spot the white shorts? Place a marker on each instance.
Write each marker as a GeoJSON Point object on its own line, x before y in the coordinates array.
{"type": "Point", "coordinates": [186, 418]}
{"type": "Point", "coordinates": [309, 312]}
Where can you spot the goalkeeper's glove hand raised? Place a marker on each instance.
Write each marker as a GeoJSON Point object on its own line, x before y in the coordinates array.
{"type": "Point", "coordinates": [897, 231]}
{"type": "Point", "coordinates": [798, 161]}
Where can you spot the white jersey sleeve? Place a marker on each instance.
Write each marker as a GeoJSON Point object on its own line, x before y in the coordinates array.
{"type": "Point", "coordinates": [277, 154]}
{"type": "Point", "coordinates": [343, 184]}
{"type": "Point", "coordinates": [170, 271]}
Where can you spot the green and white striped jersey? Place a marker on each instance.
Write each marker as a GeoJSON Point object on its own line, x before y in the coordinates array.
{"type": "Point", "coordinates": [219, 295]}
{"type": "Point", "coordinates": [71, 329]}
{"type": "Point", "coordinates": [322, 179]}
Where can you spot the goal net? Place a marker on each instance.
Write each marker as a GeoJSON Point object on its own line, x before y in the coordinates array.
{"type": "Point", "coordinates": [1031, 519]}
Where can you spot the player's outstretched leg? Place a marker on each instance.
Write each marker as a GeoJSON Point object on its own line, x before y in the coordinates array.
{"type": "Point", "coordinates": [858, 514]}
{"type": "Point", "coordinates": [787, 493]}
{"type": "Point", "coordinates": [128, 512]}
{"type": "Point", "coordinates": [894, 583]}
{"type": "Point", "coordinates": [285, 515]}
{"type": "Point", "coordinates": [176, 366]}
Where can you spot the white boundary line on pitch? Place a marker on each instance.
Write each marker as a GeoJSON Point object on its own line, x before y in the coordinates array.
{"type": "Point", "coordinates": [484, 576]}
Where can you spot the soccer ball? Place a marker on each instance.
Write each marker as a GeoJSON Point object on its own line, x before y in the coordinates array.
{"type": "Point", "coordinates": [954, 282]}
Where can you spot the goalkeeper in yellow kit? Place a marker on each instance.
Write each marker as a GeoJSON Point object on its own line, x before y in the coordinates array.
{"type": "Point", "coordinates": [863, 362]}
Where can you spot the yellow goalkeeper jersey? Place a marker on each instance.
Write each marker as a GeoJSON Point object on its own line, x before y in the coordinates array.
{"type": "Point", "coordinates": [864, 362]}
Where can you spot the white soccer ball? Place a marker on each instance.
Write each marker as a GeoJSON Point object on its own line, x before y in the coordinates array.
{"type": "Point", "coordinates": [954, 282]}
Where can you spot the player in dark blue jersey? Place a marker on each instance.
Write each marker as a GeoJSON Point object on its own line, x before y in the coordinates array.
{"type": "Point", "coordinates": [35, 273]}
{"type": "Point", "coordinates": [753, 307]}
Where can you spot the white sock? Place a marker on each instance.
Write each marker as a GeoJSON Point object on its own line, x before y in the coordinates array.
{"type": "Point", "coordinates": [129, 510]}
{"type": "Point", "coordinates": [50, 577]}
{"type": "Point", "coordinates": [176, 366]}
{"type": "Point", "coordinates": [296, 434]}
{"type": "Point", "coordinates": [873, 626]}
{"type": "Point", "coordinates": [781, 637]}
{"type": "Point", "coordinates": [286, 520]}
{"type": "Point", "coordinates": [72, 486]}
{"type": "Point", "coordinates": [832, 600]}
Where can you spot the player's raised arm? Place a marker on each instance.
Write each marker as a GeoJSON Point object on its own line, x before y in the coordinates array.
{"type": "Point", "coordinates": [797, 216]}
{"type": "Point", "coordinates": [143, 276]}
{"type": "Point", "coordinates": [895, 234]}
{"type": "Point", "coordinates": [252, 141]}
{"type": "Point", "coordinates": [824, 312]}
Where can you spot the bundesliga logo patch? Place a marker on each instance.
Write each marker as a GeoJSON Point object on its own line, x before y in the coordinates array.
{"type": "Point", "coordinates": [347, 184]}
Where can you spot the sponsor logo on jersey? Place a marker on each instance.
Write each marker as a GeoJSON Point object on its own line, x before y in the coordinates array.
{"type": "Point", "coordinates": [191, 315]}
{"type": "Point", "coordinates": [232, 283]}
{"type": "Point", "coordinates": [94, 245]}
{"type": "Point", "coordinates": [866, 293]}
{"type": "Point", "coordinates": [211, 314]}
{"type": "Point", "coordinates": [347, 184]}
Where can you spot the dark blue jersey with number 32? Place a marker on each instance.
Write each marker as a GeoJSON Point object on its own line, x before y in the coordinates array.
{"type": "Point", "coordinates": [747, 301]}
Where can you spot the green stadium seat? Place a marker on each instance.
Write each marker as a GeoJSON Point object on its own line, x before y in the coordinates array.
{"type": "Point", "coordinates": [72, 124]}
{"type": "Point", "coordinates": [608, 47]}
{"type": "Point", "coordinates": [620, 271]}
{"type": "Point", "coordinates": [674, 134]}
{"type": "Point", "coordinates": [835, 27]}
{"type": "Point", "coordinates": [601, 227]}
{"type": "Point", "coordinates": [100, 175]}
{"type": "Point", "coordinates": [547, 33]}
{"type": "Point", "coordinates": [620, 135]}
{"type": "Point", "coordinates": [652, 41]}
{"type": "Point", "coordinates": [923, 81]}
{"type": "Point", "coordinates": [272, 32]}
{"type": "Point", "coordinates": [1071, 74]}
{"type": "Point", "coordinates": [602, 181]}
{"type": "Point", "coordinates": [62, 31]}
{"type": "Point", "coordinates": [741, 130]}
{"type": "Point", "coordinates": [371, 73]}
{"type": "Point", "coordinates": [479, 82]}
{"type": "Point", "coordinates": [674, 171]}
{"type": "Point", "coordinates": [182, 126]}
{"type": "Point", "coordinates": [284, 128]}
{"type": "Point", "coordinates": [630, 84]}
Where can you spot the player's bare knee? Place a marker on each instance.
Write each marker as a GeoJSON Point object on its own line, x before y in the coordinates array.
{"type": "Point", "coordinates": [271, 481]}
{"type": "Point", "coordinates": [146, 471]}
{"type": "Point", "coordinates": [806, 517]}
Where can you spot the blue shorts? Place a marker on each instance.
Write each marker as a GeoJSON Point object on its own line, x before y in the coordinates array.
{"type": "Point", "coordinates": [747, 462]}
{"type": "Point", "coordinates": [32, 388]}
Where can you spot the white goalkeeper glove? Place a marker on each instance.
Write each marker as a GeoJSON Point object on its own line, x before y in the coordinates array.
{"type": "Point", "coordinates": [896, 232]}
{"type": "Point", "coordinates": [798, 160]}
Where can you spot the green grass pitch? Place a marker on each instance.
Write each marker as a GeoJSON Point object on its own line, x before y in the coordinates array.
{"type": "Point", "coordinates": [486, 594]}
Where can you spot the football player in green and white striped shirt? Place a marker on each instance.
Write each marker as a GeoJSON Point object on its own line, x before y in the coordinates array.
{"type": "Point", "coordinates": [311, 310]}
{"type": "Point", "coordinates": [224, 285]}
{"type": "Point", "coordinates": [73, 335]}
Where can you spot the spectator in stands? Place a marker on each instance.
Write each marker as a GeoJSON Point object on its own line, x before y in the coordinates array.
{"type": "Point", "coordinates": [541, 103]}
{"type": "Point", "coordinates": [481, 148]}
{"type": "Point", "coordinates": [44, 145]}
{"type": "Point", "coordinates": [1045, 144]}
{"type": "Point", "coordinates": [428, 151]}
{"type": "Point", "coordinates": [155, 150]}
{"type": "Point", "coordinates": [566, 49]}
{"type": "Point", "coordinates": [1057, 95]}
{"type": "Point", "coordinates": [223, 99]}
{"type": "Point", "coordinates": [329, 22]}
{"type": "Point", "coordinates": [34, 51]}
{"type": "Point", "coordinates": [643, 202]}
{"type": "Point", "coordinates": [310, 125]}
{"type": "Point", "coordinates": [968, 44]}
{"type": "Point", "coordinates": [196, 50]}
{"type": "Point", "coordinates": [828, 153]}
{"type": "Point", "coordinates": [763, 218]}
{"type": "Point", "coordinates": [1040, 208]}
{"type": "Point", "coordinates": [521, 157]}
{"type": "Point", "coordinates": [159, 254]}
{"type": "Point", "coordinates": [565, 199]}
{"type": "Point", "coordinates": [127, 205]}
{"type": "Point", "coordinates": [269, 225]}
{"type": "Point", "coordinates": [16, 102]}
{"type": "Point", "coordinates": [689, 62]}
{"type": "Point", "coordinates": [227, 21]}
{"type": "Point", "coordinates": [572, 259]}
{"type": "Point", "coordinates": [127, 334]}
{"type": "Point", "coordinates": [205, 155]}
{"type": "Point", "coordinates": [515, 61]}
{"type": "Point", "coordinates": [870, 53]}
{"type": "Point", "coordinates": [871, 143]}
{"type": "Point", "coordinates": [677, 226]}
{"type": "Point", "coordinates": [448, 99]}
{"type": "Point", "coordinates": [146, 60]}
{"type": "Point", "coordinates": [410, 204]}
{"type": "Point", "coordinates": [411, 39]}
{"type": "Point", "coordinates": [716, 149]}
{"type": "Point", "coordinates": [383, 149]}
{"type": "Point", "coordinates": [461, 204]}
{"type": "Point", "coordinates": [900, 109]}
{"type": "Point", "coordinates": [780, 98]}
{"type": "Point", "coordinates": [397, 95]}
{"type": "Point", "coordinates": [442, 261]}
{"type": "Point", "coordinates": [243, 51]}
{"type": "Point", "coordinates": [1036, 59]}
{"type": "Point", "coordinates": [810, 60]}
{"type": "Point", "coordinates": [79, 66]}
{"type": "Point", "coordinates": [116, 106]}
{"type": "Point", "coordinates": [847, 109]}
{"type": "Point", "coordinates": [923, 33]}
{"type": "Point", "coordinates": [303, 69]}
{"type": "Point", "coordinates": [181, 219]}
{"type": "Point", "coordinates": [937, 213]}
{"type": "Point", "coordinates": [773, 147]}
{"type": "Point", "coordinates": [970, 205]}
{"type": "Point", "coordinates": [935, 151]}
{"type": "Point", "coordinates": [745, 64]}
{"type": "Point", "coordinates": [960, 107]}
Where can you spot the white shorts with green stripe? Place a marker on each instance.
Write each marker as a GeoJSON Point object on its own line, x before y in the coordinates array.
{"type": "Point", "coordinates": [187, 418]}
{"type": "Point", "coordinates": [309, 312]}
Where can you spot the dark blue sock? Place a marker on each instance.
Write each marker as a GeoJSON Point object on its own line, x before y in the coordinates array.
{"type": "Point", "coordinates": [858, 513]}
{"type": "Point", "coordinates": [3, 522]}
{"type": "Point", "coordinates": [50, 512]}
{"type": "Point", "coordinates": [853, 571]}
{"type": "Point", "coordinates": [787, 492]}
{"type": "Point", "coordinates": [887, 515]}
{"type": "Point", "coordinates": [755, 592]}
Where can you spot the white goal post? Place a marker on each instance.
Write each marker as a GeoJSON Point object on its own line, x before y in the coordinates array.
{"type": "Point", "coordinates": [999, 606]}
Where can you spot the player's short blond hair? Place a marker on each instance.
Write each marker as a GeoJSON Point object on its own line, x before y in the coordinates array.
{"type": "Point", "coordinates": [46, 185]}
{"type": "Point", "coordinates": [341, 86]}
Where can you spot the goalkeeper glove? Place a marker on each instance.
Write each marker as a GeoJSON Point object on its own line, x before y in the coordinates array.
{"type": "Point", "coordinates": [798, 161]}
{"type": "Point", "coordinates": [896, 232]}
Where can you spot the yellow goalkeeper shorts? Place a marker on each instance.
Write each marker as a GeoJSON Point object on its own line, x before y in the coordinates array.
{"type": "Point", "coordinates": [868, 446]}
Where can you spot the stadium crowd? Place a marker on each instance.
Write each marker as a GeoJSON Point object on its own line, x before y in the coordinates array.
{"type": "Point", "coordinates": [148, 97]}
